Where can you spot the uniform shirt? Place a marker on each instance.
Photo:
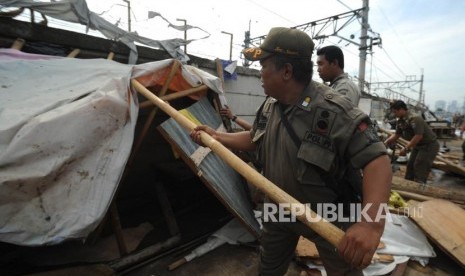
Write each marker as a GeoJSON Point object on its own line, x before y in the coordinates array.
{"type": "Point", "coordinates": [412, 125]}
{"type": "Point", "coordinates": [343, 85]}
{"type": "Point", "coordinates": [332, 133]}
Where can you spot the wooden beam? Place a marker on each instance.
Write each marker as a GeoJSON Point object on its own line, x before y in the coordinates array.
{"type": "Point", "coordinates": [18, 44]}
{"type": "Point", "coordinates": [399, 183]}
{"type": "Point", "coordinates": [176, 95]}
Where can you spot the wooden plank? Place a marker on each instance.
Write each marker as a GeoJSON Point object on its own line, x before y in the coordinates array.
{"type": "Point", "coordinates": [444, 223]}
{"type": "Point", "coordinates": [18, 44]}
{"type": "Point", "coordinates": [399, 183]}
{"type": "Point", "coordinates": [306, 249]}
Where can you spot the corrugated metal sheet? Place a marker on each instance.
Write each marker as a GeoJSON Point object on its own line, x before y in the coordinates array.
{"type": "Point", "coordinates": [226, 183]}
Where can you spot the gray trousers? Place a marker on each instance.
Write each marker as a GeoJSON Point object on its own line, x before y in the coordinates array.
{"type": "Point", "coordinates": [278, 244]}
{"type": "Point", "coordinates": [420, 162]}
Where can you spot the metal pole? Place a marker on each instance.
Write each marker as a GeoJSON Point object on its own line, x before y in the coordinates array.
{"type": "Point", "coordinates": [363, 46]}
{"type": "Point", "coordinates": [129, 14]}
{"type": "Point", "coordinates": [185, 33]}
{"type": "Point", "coordinates": [422, 96]}
{"type": "Point", "coordinates": [230, 44]}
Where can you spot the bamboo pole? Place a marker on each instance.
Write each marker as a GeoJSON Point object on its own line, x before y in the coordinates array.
{"type": "Point", "coordinates": [324, 228]}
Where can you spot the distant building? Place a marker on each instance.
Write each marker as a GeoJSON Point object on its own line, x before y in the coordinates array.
{"type": "Point", "coordinates": [453, 106]}
{"type": "Point", "coordinates": [440, 105]}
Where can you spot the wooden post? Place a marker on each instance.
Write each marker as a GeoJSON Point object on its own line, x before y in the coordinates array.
{"type": "Point", "coordinates": [18, 44]}
{"type": "Point", "coordinates": [74, 53]}
{"type": "Point", "coordinates": [111, 55]}
{"type": "Point", "coordinates": [399, 183]}
{"type": "Point", "coordinates": [116, 223]}
{"type": "Point", "coordinates": [152, 114]}
{"type": "Point", "coordinates": [216, 100]}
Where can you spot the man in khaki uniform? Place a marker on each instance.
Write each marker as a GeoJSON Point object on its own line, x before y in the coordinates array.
{"type": "Point", "coordinates": [422, 142]}
{"type": "Point", "coordinates": [330, 63]}
{"type": "Point", "coordinates": [305, 135]}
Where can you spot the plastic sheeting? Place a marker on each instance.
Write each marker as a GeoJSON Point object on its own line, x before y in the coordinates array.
{"type": "Point", "coordinates": [76, 11]}
{"type": "Point", "coordinates": [66, 131]}
{"type": "Point", "coordinates": [403, 240]}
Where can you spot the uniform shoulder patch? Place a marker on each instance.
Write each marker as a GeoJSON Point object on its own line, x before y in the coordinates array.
{"type": "Point", "coordinates": [362, 126]}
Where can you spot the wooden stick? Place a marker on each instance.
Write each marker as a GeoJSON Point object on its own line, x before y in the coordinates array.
{"type": "Point", "coordinates": [74, 53]}
{"type": "Point", "coordinates": [399, 183]}
{"type": "Point", "coordinates": [18, 44]}
{"type": "Point", "coordinates": [176, 95]}
{"type": "Point", "coordinates": [324, 228]}
{"type": "Point", "coordinates": [116, 223]}
{"type": "Point", "coordinates": [111, 55]}
{"type": "Point", "coordinates": [177, 264]}
{"type": "Point", "coordinates": [216, 99]}
{"type": "Point", "coordinates": [414, 196]}
{"type": "Point", "coordinates": [152, 114]}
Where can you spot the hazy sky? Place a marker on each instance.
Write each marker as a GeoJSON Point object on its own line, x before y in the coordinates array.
{"type": "Point", "coordinates": [417, 35]}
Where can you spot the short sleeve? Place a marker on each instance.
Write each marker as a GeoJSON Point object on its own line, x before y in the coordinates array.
{"type": "Point", "coordinates": [418, 125]}
{"type": "Point", "coordinates": [365, 145]}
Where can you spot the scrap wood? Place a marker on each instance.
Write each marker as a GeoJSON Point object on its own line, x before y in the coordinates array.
{"type": "Point", "coordinates": [420, 197]}
{"type": "Point", "coordinates": [18, 44]}
{"type": "Point", "coordinates": [415, 268]}
{"type": "Point", "coordinates": [306, 248]}
{"type": "Point", "coordinates": [74, 53]}
{"type": "Point", "coordinates": [399, 183]}
{"type": "Point", "coordinates": [443, 222]}
{"type": "Point", "coordinates": [415, 196]}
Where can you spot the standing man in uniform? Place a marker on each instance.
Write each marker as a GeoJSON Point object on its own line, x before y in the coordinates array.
{"type": "Point", "coordinates": [330, 63]}
{"type": "Point", "coordinates": [305, 134]}
{"type": "Point", "coordinates": [422, 142]}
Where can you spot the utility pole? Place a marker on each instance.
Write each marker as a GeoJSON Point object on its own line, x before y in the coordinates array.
{"type": "Point", "coordinates": [422, 95]}
{"type": "Point", "coordinates": [246, 62]}
{"type": "Point", "coordinates": [363, 46]}
{"type": "Point", "coordinates": [129, 14]}
{"type": "Point", "coordinates": [185, 33]}
{"type": "Point", "coordinates": [230, 44]}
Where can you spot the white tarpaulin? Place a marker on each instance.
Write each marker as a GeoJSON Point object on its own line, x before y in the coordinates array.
{"type": "Point", "coordinates": [66, 131]}
{"type": "Point", "coordinates": [76, 11]}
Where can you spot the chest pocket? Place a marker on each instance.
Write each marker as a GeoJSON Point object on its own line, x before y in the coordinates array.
{"type": "Point", "coordinates": [314, 160]}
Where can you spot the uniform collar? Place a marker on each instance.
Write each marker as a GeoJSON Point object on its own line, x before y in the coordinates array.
{"type": "Point", "coordinates": [341, 76]}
